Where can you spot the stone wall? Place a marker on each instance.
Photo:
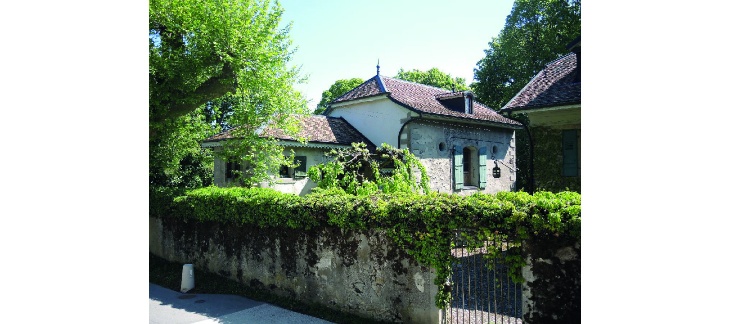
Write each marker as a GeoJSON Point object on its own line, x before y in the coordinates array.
{"type": "Point", "coordinates": [551, 291]}
{"type": "Point", "coordinates": [358, 272]}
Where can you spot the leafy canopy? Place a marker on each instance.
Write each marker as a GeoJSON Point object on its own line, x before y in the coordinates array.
{"type": "Point", "coordinates": [218, 60]}
{"type": "Point", "coordinates": [433, 77]}
{"type": "Point", "coordinates": [336, 90]}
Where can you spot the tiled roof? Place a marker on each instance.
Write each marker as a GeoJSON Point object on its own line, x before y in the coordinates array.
{"type": "Point", "coordinates": [555, 85]}
{"type": "Point", "coordinates": [315, 128]}
{"type": "Point", "coordinates": [420, 98]}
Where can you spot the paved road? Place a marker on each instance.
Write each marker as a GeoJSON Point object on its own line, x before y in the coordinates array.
{"type": "Point", "coordinates": [172, 307]}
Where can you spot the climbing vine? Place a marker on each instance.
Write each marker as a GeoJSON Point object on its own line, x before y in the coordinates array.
{"type": "Point", "coordinates": [359, 172]}
{"type": "Point", "coordinates": [426, 226]}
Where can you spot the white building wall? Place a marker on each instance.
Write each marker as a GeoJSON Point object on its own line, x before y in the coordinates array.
{"type": "Point", "coordinates": [286, 185]}
{"type": "Point", "coordinates": [379, 119]}
{"type": "Point", "coordinates": [299, 186]}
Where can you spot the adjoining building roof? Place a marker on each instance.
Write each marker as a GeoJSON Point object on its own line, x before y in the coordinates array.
{"type": "Point", "coordinates": [556, 85]}
{"type": "Point", "coordinates": [315, 128]}
{"type": "Point", "coordinates": [420, 98]}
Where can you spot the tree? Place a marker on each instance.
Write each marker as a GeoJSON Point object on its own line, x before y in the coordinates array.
{"type": "Point", "coordinates": [217, 60]}
{"type": "Point", "coordinates": [336, 90]}
{"type": "Point", "coordinates": [433, 77]}
{"type": "Point", "coordinates": [534, 34]}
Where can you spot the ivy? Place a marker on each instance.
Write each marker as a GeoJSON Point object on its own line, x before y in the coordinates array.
{"type": "Point", "coordinates": [426, 226]}
{"type": "Point", "coordinates": [359, 172]}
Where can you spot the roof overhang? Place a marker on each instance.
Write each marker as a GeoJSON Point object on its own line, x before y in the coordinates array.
{"type": "Point", "coordinates": [567, 116]}
{"type": "Point", "coordinates": [286, 143]}
{"type": "Point", "coordinates": [468, 121]}
{"type": "Point", "coordinates": [313, 145]}
{"type": "Point", "coordinates": [527, 110]}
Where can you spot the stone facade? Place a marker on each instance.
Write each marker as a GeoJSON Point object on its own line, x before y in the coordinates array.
{"type": "Point", "coordinates": [433, 143]}
{"type": "Point", "coordinates": [358, 272]}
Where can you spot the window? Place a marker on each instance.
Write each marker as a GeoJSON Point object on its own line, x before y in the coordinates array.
{"type": "Point", "coordinates": [296, 173]}
{"type": "Point", "coordinates": [301, 170]}
{"type": "Point", "coordinates": [230, 167]}
{"type": "Point", "coordinates": [570, 153]}
{"type": "Point", "coordinates": [467, 167]}
{"type": "Point", "coordinates": [470, 168]}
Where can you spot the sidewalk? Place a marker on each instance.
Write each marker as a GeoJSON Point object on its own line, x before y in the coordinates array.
{"type": "Point", "coordinates": [168, 306]}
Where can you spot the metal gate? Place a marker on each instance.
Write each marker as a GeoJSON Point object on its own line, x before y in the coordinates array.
{"type": "Point", "coordinates": [481, 290]}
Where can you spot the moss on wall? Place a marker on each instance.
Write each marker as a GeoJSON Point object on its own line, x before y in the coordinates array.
{"type": "Point", "coordinates": [548, 160]}
{"type": "Point", "coordinates": [356, 271]}
{"type": "Point", "coordinates": [555, 282]}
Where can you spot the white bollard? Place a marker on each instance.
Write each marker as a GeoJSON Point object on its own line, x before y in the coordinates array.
{"type": "Point", "coordinates": [188, 278]}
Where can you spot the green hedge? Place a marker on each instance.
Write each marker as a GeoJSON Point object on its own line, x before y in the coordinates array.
{"type": "Point", "coordinates": [424, 225]}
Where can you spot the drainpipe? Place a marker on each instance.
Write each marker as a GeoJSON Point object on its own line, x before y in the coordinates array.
{"type": "Point", "coordinates": [404, 126]}
{"type": "Point", "coordinates": [531, 182]}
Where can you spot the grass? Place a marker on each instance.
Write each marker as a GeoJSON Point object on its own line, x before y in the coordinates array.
{"type": "Point", "coordinates": [168, 274]}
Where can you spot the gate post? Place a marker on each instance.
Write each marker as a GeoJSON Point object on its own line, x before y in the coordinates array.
{"type": "Point", "coordinates": [551, 291]}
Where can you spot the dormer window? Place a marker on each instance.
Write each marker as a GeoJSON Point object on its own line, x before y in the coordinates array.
{"type": "Point", "coordinates": [462, 101]}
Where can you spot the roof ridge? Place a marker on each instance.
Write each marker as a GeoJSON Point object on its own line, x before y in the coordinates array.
{"type": "Point", "coordinates": [355, 88]}
{"type": "Point", "coordinates": [419, 84]}
{"type": "Point", "coordinates": [380, 82]}
{"type": "Point", "coordinates": [556, 60]}
{"type": "Point", "coordinates": [549, 76]}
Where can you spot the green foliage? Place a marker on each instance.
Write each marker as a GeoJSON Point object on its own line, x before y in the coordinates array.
{"type": "Point", "coordinates": [423, 225]}
{"type": "Point", "coordinates": [357, 171]}
{"type": "Point", "coordinates": [336, 90]}
{"type": "Point", "coordinates": [535, 33]}
{"type": "Point", "coordinates": [433, 77]}
{"type": "Point", "coordinates": [216, 64]}
{"type": "Point", "coordinates": [549, 161]}
{"type": "Point", "coordinates": [175, 154]}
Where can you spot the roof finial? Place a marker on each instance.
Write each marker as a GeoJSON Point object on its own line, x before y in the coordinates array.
{"type": "Point", "coordinates": [378, 67]}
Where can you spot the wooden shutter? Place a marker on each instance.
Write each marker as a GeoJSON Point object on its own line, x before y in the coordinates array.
{"type": "Point", "coordinates": [570, 153]}
{"type": "Point", "coordinates": [458, 167]}
{"type": "Point", "coordinates": [482, 167]}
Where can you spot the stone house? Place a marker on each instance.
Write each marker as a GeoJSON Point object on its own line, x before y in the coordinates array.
{"type": "Point", "coordinates": [465, 146]}
{"type": "Point", "coordinates": [322, 133]}
{"type": "Point", "coordinates": [551, 101]}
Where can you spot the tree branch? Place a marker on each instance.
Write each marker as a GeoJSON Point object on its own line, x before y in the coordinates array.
{"type": "Point", "coordinates": [213, 88]}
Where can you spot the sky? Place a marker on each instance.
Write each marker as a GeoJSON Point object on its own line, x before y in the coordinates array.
{"type": "Point", "coordinates": [346, 39]}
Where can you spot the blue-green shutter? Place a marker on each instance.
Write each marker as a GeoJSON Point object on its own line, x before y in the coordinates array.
{"type": "Point", "coordinates": [482, 167]}
{"type": "Point", "coordinates": [570, 153]}
{"type": "Point", "coordinates": [458, 167]}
